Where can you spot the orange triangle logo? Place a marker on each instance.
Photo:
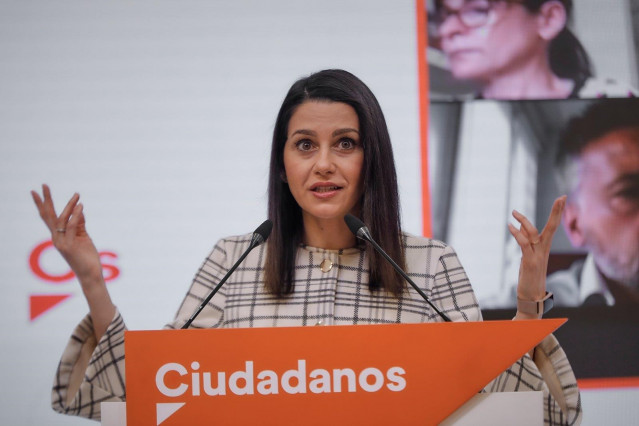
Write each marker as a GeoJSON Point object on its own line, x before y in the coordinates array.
{"type": "Point", "coordinates": [40, 303]}
{"type": "Point", "coordinates": [408, 374]}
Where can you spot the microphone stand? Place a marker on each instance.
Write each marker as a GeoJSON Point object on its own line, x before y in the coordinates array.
{"type": "Point", "coordinates": [361, 231]}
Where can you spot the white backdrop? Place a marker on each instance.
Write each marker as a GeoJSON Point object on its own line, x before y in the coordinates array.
{"type": "Point", "coordinates": [160, 113]}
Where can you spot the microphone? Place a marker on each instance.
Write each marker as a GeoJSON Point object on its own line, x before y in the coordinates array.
{"type": "Point", "coordinates": [360, 230]}
{"type": "Point", "coordinates": [259, 236]}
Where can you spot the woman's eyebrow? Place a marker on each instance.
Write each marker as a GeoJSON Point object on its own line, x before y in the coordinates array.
{"type": "Point", "coordinates": [335, 133]}
{"type": "Point", "coordinates": [345, 130]}
{"type": "Point", "coordinates": [304, 132]}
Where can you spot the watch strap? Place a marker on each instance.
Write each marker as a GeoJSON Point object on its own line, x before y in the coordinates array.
{"type": "Point", "coordinates": [538, 307]}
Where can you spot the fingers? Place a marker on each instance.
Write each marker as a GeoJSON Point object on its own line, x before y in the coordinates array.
{"type": "Point", "coordinates": [521, 239]}
{"type": "Point", "coordinates": [77, 220]}
{"type": "Point", "coordinates": [528, 234]}
{"type": "Point", "coordinates": [81, 227]}
{"type": "Point", "coordinates": [61, 222]}
{"type": "Point", "coordinates": [554, 219]}
{"type": "Point", "coordinates": [46, 192]}
{"type": "Point", "coordinates": [47, 210]}
{"type": "Point", "coordinates": [523, 231]}
{"type": "Point", "coordinates": [45, 207]}
{"type": "Point", "coordinates": [527, 228]}
{"type": "Point", "coordinates": [37, 200]}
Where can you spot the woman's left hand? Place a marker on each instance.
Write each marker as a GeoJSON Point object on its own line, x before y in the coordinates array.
{"type": "Point", "coordinates": [535, 249]}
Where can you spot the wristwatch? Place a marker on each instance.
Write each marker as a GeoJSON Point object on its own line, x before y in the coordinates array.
{"type": "Point", "coordinates": [536, 307]}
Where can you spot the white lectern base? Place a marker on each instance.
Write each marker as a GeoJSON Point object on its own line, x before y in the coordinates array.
{"type": "Point", "coordinates": [488, 409]}
{"type": "Point", "coordinates": [500, 409]}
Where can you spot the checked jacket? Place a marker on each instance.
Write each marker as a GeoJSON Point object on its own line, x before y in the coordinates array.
{"type": "Point", "coordinates": [92, 372]}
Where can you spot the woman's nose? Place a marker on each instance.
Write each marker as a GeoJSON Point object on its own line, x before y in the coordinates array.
{"type": "Point", "coordinates": [450, 26]}
{"type": "Point", "coordinates": [324, 161]}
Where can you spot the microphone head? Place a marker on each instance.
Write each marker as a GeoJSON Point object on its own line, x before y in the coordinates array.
{"type": "Point", "coordinates": [263, 231]}
{"type": "Point", "coordinates": [354, 224]}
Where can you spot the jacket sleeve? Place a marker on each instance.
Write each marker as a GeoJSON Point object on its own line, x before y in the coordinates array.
{"type": "Point", "coordinates": [548, 371]}
{"type": "Point", "coordinates": [91, 372]}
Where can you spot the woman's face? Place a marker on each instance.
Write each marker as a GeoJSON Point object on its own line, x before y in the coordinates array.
{"type": "Point", "coordinates": [323, 158]}
{"type": "Point", "coordinates": [484, 39]}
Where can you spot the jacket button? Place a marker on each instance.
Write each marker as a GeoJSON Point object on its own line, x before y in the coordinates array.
{"type": "Point", "coordinates": [326, 265]}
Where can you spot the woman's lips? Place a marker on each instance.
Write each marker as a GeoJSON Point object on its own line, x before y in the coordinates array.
{"type": "Point", "coordinates": [325, 191]}
{"type": "Point", "coordinates": [460, 53]}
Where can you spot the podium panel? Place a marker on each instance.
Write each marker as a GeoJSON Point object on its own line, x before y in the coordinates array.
{"type": "Point", "coordinates": [367, 374]}
{"type": "Point", "coordinates": [490, 409]}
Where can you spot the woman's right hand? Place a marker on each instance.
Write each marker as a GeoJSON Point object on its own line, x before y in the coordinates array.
{"type": "Point", "coordinates": [70, 238]}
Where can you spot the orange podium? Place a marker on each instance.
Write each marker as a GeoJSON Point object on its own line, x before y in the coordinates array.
{"type": "Point", "coordinates": [365, 374]}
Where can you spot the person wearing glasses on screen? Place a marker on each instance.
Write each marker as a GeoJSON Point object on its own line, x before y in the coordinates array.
{"type": "Point", "coordinates": [512, 49]}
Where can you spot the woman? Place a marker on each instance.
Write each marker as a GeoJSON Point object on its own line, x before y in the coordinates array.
{"type": "Point", "coordinates": [513, 49]}
{"type": "Point", "coordinates": [331, 155]}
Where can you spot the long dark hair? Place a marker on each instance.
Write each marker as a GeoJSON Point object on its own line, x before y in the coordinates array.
{"type": "Point", "coordinates": [379, 205]}
{"type": "Point", "coordinates": [566, 54]}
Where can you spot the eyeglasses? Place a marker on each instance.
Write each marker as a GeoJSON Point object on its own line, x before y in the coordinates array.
{"type": "Point", "coordinates": [473, 14]}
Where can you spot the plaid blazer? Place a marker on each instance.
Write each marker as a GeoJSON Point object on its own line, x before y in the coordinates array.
{"type": "Point", "coordinates": [92, 372]}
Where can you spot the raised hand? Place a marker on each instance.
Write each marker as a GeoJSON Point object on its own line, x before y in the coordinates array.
{"type": "Point", "coordinates": [70, 237]}
{"type": "Point", "coordinates": [535, 249]}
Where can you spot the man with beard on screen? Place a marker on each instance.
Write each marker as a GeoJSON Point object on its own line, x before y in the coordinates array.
{"type": "Point", "coordinates": [599, 158]}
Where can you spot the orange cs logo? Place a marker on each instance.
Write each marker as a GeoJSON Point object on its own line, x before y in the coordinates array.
{"type": "Point", "coordinates": [40, 303]}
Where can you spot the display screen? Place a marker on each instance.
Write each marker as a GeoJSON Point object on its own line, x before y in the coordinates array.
{"type": "Point", "coordinates": [529, 101]}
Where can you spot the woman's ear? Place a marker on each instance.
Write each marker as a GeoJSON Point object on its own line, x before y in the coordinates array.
{"type": "Point", "coordinates": [283, 176]}
{"type": "Point", "coordinates": [572, 224]}
{"type": "Point", "coordinates": [552, 18]}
